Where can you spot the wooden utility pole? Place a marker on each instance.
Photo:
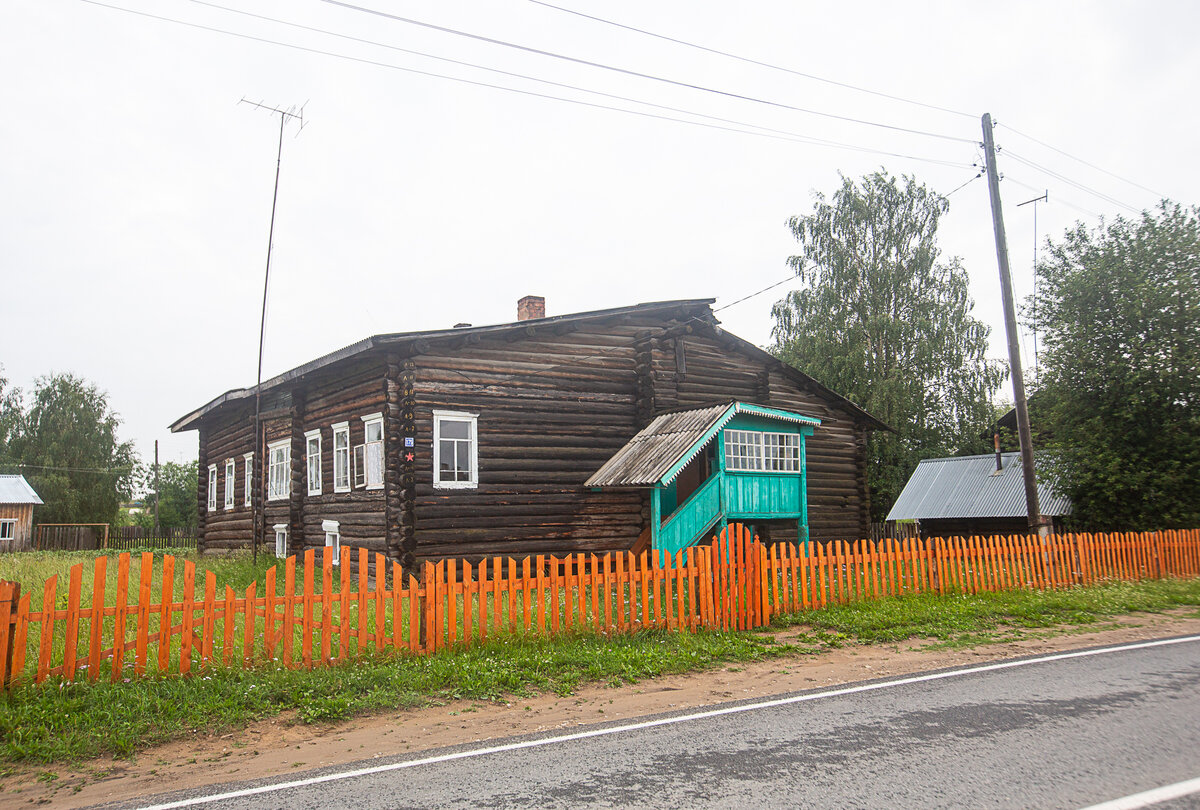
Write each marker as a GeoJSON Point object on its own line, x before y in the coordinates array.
{"type": "Point", "coordinates": [1010, 329]}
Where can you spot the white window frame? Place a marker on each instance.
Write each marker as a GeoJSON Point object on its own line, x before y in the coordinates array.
{"type": "Point", "coordinates": [212, 487]}
{"type": "Point", "coordinates": [281, 537]}
{"type": "Point", "coordinates": [371, 448]}
{"type": "Point", "coordinates": [473, 437]}
{"type": "Point", "coordinates": [248, 469]}
{"type": "Point", "coordinates": [333, 537]}
{"type": "Point", "coordinates": [8, 529]}
{"type": "Point", "coordinates": [311, 461]}
{"type": "Point", "coordinates": [762, 451]}
{"type": "Point", "coordinates": [342, 429]}
{"type": "Point", "coordinates": [230, 482]}
{"type": "Point", "coordinates": [272, 493]}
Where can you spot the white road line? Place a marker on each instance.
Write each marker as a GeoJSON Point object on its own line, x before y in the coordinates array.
{"type": "Point", "coordinates": [1149, 797]}
{"type": "Point", "coordinates": [665, 721]}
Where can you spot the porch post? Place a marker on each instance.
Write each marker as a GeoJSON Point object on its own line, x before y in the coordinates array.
{"type": "Point", "coordinates": [655, 513]}
{"type": "Point", "coordinates": [803, 527]}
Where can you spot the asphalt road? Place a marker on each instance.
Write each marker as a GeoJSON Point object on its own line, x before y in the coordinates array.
{"type": "Point", "coordinates": [1060, 733]}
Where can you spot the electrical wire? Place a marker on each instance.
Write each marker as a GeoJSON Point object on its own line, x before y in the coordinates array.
{"type": "Point", "coordinates": [637, 74]}
{"type": "Point", "coordinates": [109, 471]}
{"type": "Point", "coordinates": [1076, 159]}
{"type": "Point", "coordinates": [964, 185]}
{"type": "Point", "coordinates": [1080, 186]}
{"type": "Point", "coordinates": [793, 137]}
{"type": "Point", "coordinates": [760, 63]}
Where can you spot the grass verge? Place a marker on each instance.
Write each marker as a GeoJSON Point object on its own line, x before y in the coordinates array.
{"type": "Point", "coordinates": [72, 722]}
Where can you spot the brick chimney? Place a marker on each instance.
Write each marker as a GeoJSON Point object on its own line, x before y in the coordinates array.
{"type": "Point", "coordinates": [530, 307]}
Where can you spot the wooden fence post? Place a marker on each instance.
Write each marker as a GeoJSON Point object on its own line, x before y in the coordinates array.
{"type": "Point", "coordinates": [10, 596]}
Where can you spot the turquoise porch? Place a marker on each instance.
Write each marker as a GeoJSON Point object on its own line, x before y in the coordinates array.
{"type": "Point", "coordinates": [707, 467]}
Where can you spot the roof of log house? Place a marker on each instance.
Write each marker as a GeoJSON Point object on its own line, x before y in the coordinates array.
{"type": "Point", "coordinates": [418, 342]}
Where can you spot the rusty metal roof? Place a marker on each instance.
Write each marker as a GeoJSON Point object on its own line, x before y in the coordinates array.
{"type": "Point", "coordinates": [969, 487]}
{"type": "Point", "coordinates": [15, 489]}
{"type": "Point", "coordinates": [674, 439]}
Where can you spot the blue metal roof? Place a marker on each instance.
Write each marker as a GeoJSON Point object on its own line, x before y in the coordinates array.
{"type": "Point", "coordinates": [970, 487]}
{"type": "Point", "coordinates": [15, 489]}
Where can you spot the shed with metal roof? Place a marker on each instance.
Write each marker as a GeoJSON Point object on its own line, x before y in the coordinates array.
{"type": "Point", "coordinates": [974, 495]}
{"type": "Point", "coordinates": [17, 499]}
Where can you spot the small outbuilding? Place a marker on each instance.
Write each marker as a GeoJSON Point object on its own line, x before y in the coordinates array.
{"type": "Point", "coordinates": [17, 500]}
{"type": "Point", "coordinates": [974, 495]}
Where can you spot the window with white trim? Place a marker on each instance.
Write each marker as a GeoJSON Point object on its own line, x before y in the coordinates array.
{"type": "Point", "coordinates": [212, 487]}
{"type": "Point", "coordinates": [752, 450]}
{"type": "Point", "coordinates": [333, 538]}
{"type": "Point", "coordinates": [248, 465]}
{"type": "Point", "coordinates": [312, 457]}
{"type": "Point", "coordinates": [455, 450]}
{"type": "Point", "coordinates": [281, 533]}
{"type": "Point", "coordinates": [230, 482]}
{"type": "Point", "coordinates": [279, 478]}
{"type": "Point", "coordinates": [781, 452]}
{"type": "Point", "coordinates": [743, 450]}
{"type": "Point", "coordinates": [341, 457]}
{"type": "Point", "coordinates": [369, 459]}
{"type": "Point", "coordinates": [8, 529]}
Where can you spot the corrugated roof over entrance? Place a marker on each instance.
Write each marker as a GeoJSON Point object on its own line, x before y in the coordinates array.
{"type": "Point", "coordinates": [970, 487]}
{"type": "Point", "coordinates": [672, 440]}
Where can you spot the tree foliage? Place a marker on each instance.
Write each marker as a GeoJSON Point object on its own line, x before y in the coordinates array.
{"type": "Point", "coordinates": [1119, 309]}
{"type": "Point", "coordinates": [66, 446]}
{"type": "Point", "coordinates": [177, 495]}
{"type": "Point", "coordinates": [885, 321]}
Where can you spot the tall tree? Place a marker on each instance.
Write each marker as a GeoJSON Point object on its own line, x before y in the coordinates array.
{"type": "Point", "coordinates": [67, 447]}
{"type": "Point", "coordinates": [885, 321]}
{"type": "Point", "coordinates": [1119, 309]}
{"type": "Point", "coordinates": [177, 495]}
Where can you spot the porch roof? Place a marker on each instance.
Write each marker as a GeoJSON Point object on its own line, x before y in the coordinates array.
{"type": "Point", "coordinates": [664, 447]}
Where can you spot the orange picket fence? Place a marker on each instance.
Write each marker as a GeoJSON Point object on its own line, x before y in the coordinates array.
{"type": "Point", "coordinates": [311, 612]}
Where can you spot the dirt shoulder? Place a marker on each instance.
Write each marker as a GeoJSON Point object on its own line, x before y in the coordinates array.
{"type": "Point", "coordinates": [283, 746]}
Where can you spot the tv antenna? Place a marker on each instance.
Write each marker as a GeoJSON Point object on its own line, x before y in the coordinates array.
{"type": "Point", "coordinates": [291, 114]}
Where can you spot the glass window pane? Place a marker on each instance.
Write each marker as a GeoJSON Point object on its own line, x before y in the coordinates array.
{"type": "Point", "coordinates": [455, 429]}
{"type": "Point", "coordinates": [374, 431]}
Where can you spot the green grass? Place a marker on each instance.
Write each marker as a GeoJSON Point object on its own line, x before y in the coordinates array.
{"type": "Point", "coordinates": [960, 620]}
{"type": "Point", "coordinates": [71, 722]}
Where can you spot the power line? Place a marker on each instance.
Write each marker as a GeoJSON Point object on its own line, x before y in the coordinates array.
{"type": "Point", "coordinates": [748, 60]}
{"type": "Point", "coordinates": [637, 74]}
{"type": "Point", "coordinates": [792, 137]}
{"type": "Point", "coordinates": [1077, 159]}
{"type": "Point", "coordinates": [109, 471]}
{"type": "Point", "coordinates": [1087, 189]}
{"type": "Point", "coordinates": [964, 185]}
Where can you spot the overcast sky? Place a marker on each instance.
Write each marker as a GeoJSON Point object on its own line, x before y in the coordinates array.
{"type": "Point", "coordinates": [135, 192]}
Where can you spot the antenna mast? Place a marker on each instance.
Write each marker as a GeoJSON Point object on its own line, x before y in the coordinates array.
{"type": "Point", "coordinates": [290, 114]}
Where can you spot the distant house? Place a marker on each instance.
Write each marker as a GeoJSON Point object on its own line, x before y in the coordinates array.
{"type": "Point", "coordinates": [973, 495]}
{"type": "Point", "coordinates": [527, 438]}
{"type": "Point", "coordinates": [17, 500]}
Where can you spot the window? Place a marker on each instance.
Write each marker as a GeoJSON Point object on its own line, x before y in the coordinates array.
{"type": "Point", "coordinates": [281, 533]}
{"type": "Point", "coordinates": [312, 455]}
{"type": "Point", "coordinates": [341, 457]}
{"type": "Point", "coordinates": [279, 480]}
{"type": "Point", "coordinates": [368, 471]}
{"type": "Point", "coordinates": [248, 463]}
{"type": "Point", "coordinates": [755, 451]}
{"type": "Point", "coordinates": [230, 482]}
{"type": "Point", "coordinates": [455, 452]}
{"type": "Point", "coordinates": [8, 529]}
{"type": "Point", "coordinates": [212, 487]}
{"type": "Point", "coordinates": [333, 538]}
{"type": "Point", "coordinates": [743, 450]}
{"type": "Point", "coordinates": [781, 452]}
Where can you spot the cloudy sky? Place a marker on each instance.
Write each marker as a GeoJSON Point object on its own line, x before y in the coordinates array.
{"type": "Point", "coordinates": [135, 191]}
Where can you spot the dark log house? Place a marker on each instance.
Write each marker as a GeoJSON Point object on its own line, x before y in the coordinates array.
{"type": "Point", "coordinates": [480, 441]}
